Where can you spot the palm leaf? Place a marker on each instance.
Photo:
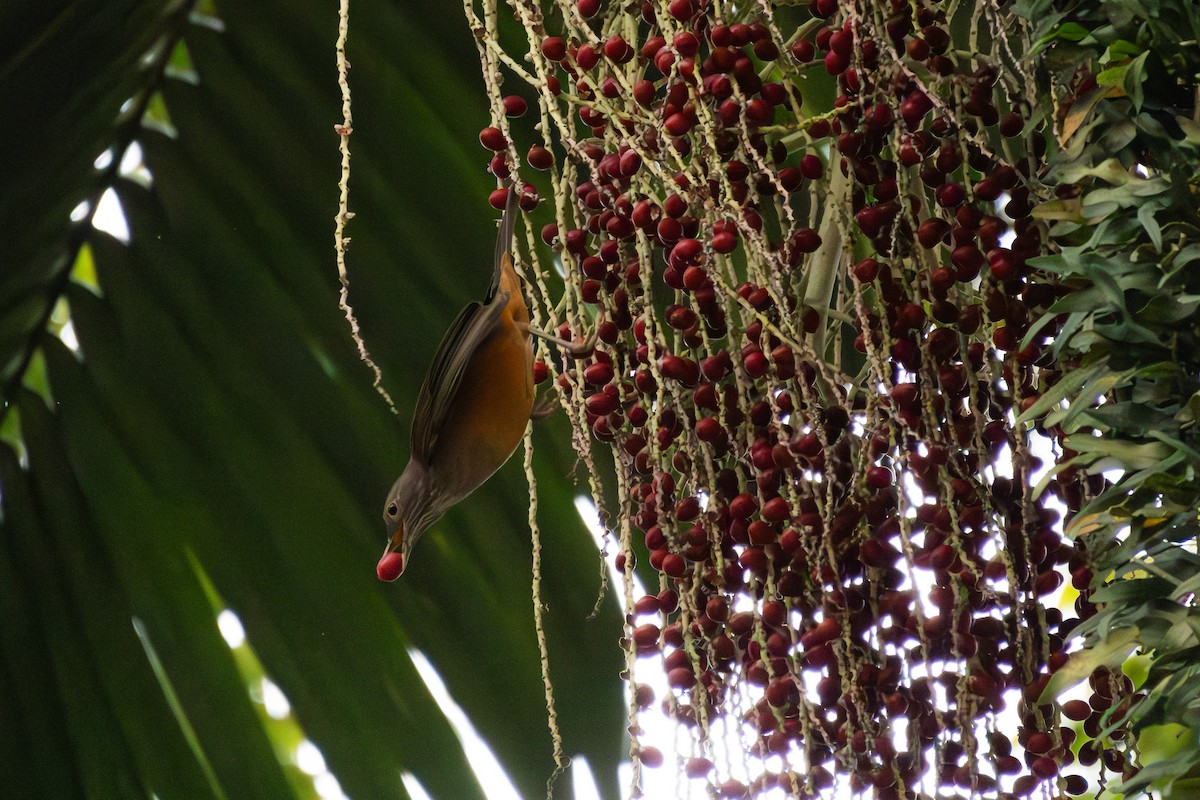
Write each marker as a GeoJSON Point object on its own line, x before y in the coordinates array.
{"type": "Point", "coordinates": [216, 436]}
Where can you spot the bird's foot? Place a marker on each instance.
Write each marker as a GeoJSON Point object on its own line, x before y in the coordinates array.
{"type": "Point", "coordinates": [544, 407]}
{"type": "Point", "coordinates": [576, 349]}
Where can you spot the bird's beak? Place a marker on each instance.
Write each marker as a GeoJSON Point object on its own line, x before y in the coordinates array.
{"type": "Point", "coordinates": [395, 557]}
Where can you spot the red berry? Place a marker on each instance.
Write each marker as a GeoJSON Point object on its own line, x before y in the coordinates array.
{"type": "Point", "coordinates": [694, 277]}
{"type": "Point", "coordinates": [554, 48]}
{"type": "Point", "coordinates": [675, 566]}
{"type": "Point", "coordinates": [587, 57]}
{"type": "Point", "coordinates": [756, 363]}
{"type": "Point", "coordinates": [498, 198]}
{"type": "Point", "coordinates": [870, 220]}
{"type": "Point", "coordinates": [879, 477]}
{"type": "Point", "coordinates": [806, 240]}
{"type": "Point", "coordinates": [836, 63]}
{"type": "Point", "coordinates": [599, 373]}
{"type": "Point", "coordinates": [527, 198]}
{"type": "Point", "coordinates": [811, 167]}
{"type": "Point", "coordinates": [766, 50]}
{"type": "Point", "coordinates": [643, 93]}
{"type": "Point", "coordinates": [729, 111]}
{"type": "Point", "coordinates": [681, 677]}
{"type": "Point", "coordinates": [950, 194]}
{"type": "Point", "coordinates": [790, 178]}
{"type": "Point", "coordinates": [1077, 710]}
{"type": "Point", "coordinates": [601, 404]}
{"type": "Point", "coordinates": [840, 42]}
{"type": "Point", "coordinates": [645, 635]}
{"type": "Point", "coordinates": [498, 166]}
{"type": "Point", "coordinates": [723, 242]}
{"type": "Point", "coordinates": [678, 124]}
{"type": "Point", "coordinates": [669, 230]}
{"type": "Point", "coordinates": [390, 566]}
{"type": "Point", "coordinates": [826, 631]}
{"type": "Point", "coordinates": [617, 49]}
{"type": "Point", "coordinates": [987, 189]}
{"type": "Point", "coordinates": [1012, 124]}
{"type": "Point", "coordinates": [686, 43]}
{"type": "Point", "coordinates": [866, 270]}
{"type": "Point", "coordinates": [493, 139]}
{"type": "Point", "coordinates": [681, 10]}
{"type": "Point", "coordinates": [803, 51]}
{"type": "Point", "coordinates": [932, 231]}
{"type": "Point", "coordinates": [708, 429]}
{"type": "Point", "coordinates": [1044, 767]}
{"type": "Point", "coordinates": [687, 251]}
{"type": "Point", "coordinates": [760, 112]}
{"type": "Point", "coordinates": [679, 369]}
{"type": "Point", "coordinates": [675, 206]}
{"type": "Point", "coordinates": [514, 105]}
{"type": "Point", "coordinates": [776, 510]}
{"type": "Point", "coordinates": [539, 157]}
{"type": "Point", "coordinates": [1003, 263]}
{"type": "Point", "coordinates": [630, 163]}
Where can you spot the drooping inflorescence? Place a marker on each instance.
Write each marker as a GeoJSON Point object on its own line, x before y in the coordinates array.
{"type": "Point", "coordinates": [801, 234]}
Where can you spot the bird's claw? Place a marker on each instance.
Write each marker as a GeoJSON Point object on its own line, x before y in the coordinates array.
{"type": "Point", "coordinates": [544, 407]}
{"type": "Point", "coordinates": [576, 349]}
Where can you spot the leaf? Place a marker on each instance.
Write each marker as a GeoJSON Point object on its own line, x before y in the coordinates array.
{"type": "Point", "coordinates": [1129, 331]}
{"type": "Point", "coordinates": [1191, 129]}
{"type": "Point", "coordinates": [1146, 214]}
{"type": "Point", "coordinates": [1118, 136]}
{"type": "Point", "coordinates": [1068, 31]}
{"type": "Point", "coordinates": [1182, 448]}
{"type": "Point", "coordinates": [74, 73]}
{"type": "Point", "coordinates": [1078, 113]}
{"type": "Point", "coordinates": [1060, 209]}
{"type": "Point", "coordinates": [1122, 49]}
{"type": "Point", "coordinates": [1190, 410]}
{"type": "Point", "coordinates": [1098, 387]}
{"type": "Point", "coordinates": [1138, 590]}
{"type": "Point", "coordinates": [1133, 455]}
{"type": "Point", "coordinates": [1134, 78]}
{"type": "Point", "coordinates": [1127, 77]}
{"type": "Point", "coordinates": [1109, 170]}
{"type": "Point", "coordinates": [217, 408]}
{"type": "Point", "coordinates": [1129, 418]}
{"type": "Point", "coordinates": [1067, 386]}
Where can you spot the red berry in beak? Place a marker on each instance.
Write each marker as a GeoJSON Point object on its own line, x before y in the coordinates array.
{"type": "Point", "coordinates": [390, 566]}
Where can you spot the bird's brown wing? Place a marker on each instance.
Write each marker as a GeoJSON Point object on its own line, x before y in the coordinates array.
{"type": "Point", "coordinates": [469, 329]}
{"type": "Point", "coordinates": [466, 333]}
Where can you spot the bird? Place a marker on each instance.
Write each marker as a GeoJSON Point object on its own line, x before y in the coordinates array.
{"type": "Point", "coordinates": [471, 410]}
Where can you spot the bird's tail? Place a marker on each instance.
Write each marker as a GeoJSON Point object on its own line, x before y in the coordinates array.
{"type": "Point", "coordinates": [504, 239]}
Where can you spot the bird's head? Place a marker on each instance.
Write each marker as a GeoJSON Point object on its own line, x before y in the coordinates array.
{"type": "Point", "coordinates": [395, 557]}
{"type": "Point", "coordinates": [414, 503]}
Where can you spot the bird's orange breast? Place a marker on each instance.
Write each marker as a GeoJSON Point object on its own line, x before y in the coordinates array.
{"type": "Point", "coordinates": [487, 419]}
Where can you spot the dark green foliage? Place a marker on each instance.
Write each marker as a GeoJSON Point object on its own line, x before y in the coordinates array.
{"type": "Point", "coordinates": [216, 442]}
{"type": "Point", "coordinates": [1128, 228]}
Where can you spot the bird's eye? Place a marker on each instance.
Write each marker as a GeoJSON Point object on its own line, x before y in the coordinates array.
{"type": "Point", "coordinates": [392, 510]}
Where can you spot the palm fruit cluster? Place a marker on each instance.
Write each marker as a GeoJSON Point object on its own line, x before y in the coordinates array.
{"type": "Point", "coordinates": [801, 235]}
